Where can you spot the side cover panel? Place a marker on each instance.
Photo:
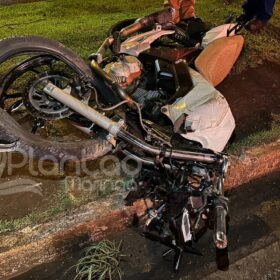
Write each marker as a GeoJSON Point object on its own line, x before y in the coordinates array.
{"type": "Point", "coordinates": [216, 61]}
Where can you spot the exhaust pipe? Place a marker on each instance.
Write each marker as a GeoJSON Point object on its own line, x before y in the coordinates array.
{"type": "Point", "coordinates": [83, 109]}
{"type": "Point", "coordinates": [116, 129]}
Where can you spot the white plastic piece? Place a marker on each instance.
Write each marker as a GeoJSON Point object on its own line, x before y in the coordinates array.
{"type": "Point", "coordinates": [217, 33]}
{"type": "Point", "coordinates": [209, 114]}
{"type": "Point", "coordinates": [142, 42]}
{"type": "Point", "coordinates": [185, 226]}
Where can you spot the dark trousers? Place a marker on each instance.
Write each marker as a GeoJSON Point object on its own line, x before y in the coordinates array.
{"type": "Point", "coordinates": [260, 9]}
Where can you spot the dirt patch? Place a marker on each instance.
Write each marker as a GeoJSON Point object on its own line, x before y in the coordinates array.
{"type": "Point", "coordinates": [18, 200]}
{"type": "Point", "coordinates": [255, 163]}
{"type": "Point", "coordinates": [254, 96]}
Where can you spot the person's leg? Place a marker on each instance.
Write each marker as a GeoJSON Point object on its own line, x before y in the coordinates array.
{"type": "Point", "coordinates": [259, 12]}
{"type": "Point", "coordinates": [266, 10]}
{"type": "Point", "coordinates": [184, 9]}
{"type": "Point", "coordinates": [251, 7]}
{"type": "Point", "coordinates": [175, 4]}
{"type": "Point", "coordinates": [187, 9]}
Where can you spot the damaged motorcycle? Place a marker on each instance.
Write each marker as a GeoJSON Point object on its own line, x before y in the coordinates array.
{"type": "Point", "coordinates": [149, 94]}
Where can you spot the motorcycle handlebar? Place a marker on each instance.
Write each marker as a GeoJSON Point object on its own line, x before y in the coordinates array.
{"type": "Point", "coordinates": [210, 158]}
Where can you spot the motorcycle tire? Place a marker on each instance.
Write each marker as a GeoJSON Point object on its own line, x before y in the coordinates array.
{"type": "Point", "coordinates": [11, 131]}
{"type": "Point", "coordinates": [14, 46]}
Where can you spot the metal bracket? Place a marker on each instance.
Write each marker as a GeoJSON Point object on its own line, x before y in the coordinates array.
{"type": "Point", "coordinates": [110, 138]}
{"type": "Point", "coordinates": [236, 28]}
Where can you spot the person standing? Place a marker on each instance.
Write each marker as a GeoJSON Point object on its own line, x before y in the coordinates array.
{"type": "Point", "coordinates": [256, 12]}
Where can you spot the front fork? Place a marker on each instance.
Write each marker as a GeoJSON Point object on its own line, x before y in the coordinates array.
{"type": "Point", "coordinates": [220, 217]}
{"type": "Point", "coordinates": [220, 227]}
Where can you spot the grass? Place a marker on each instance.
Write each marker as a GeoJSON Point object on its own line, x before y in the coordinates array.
{"type": "Point", "coordinates": [101, 261]}
{"type": "Point", "coordinates": [82, 25]}
{"type": "Point", "coordinates": [61, 203]}
{"type": "Point", "coordinates": [255, 139]}
{"type": "Point", "coordinates": [15, 224]}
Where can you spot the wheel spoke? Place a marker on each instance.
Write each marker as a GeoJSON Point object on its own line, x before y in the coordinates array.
{"type": "Point", "coordinates": [15, 106]}
{"type": "Point", "coordinates": [11, 96]}
{"type": "Point", "coordinates": [28, 107]}
{"type": "Point", "coordinates": [2, 99]}
{"type": "Point", "coordinates": [6, 96]}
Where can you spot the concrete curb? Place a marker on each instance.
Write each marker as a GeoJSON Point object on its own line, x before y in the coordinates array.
{"type": "Point", "coordinates": [51, 246]}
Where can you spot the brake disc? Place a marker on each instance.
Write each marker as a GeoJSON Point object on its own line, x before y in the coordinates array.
{"type": "Point", "coordinates": [41, 105]}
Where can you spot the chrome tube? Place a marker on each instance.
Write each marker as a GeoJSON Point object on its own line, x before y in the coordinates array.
{"type": "Point", "coordinates": [133, 28]}
{"type": "Point", "coordinates": [83, 109]}
{"type": "Point", "coordinates": [169, 153]}
{"type": "Point", "coordinates": [143, 160]}
{"type": "Point", "coordinates": [99, 55]}
{"type": "Point", "coordinates": [220, 229]}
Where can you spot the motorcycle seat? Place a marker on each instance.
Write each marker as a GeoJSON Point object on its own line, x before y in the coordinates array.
{"type": "Point", "coordinates": [217, 59]}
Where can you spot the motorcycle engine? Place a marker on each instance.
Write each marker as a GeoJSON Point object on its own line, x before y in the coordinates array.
{"type": "Point", "coordinates": [126, 72]}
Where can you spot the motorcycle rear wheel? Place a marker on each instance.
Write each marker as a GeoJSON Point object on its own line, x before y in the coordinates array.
{"type": "Point", "coordinates": [32, 58]}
